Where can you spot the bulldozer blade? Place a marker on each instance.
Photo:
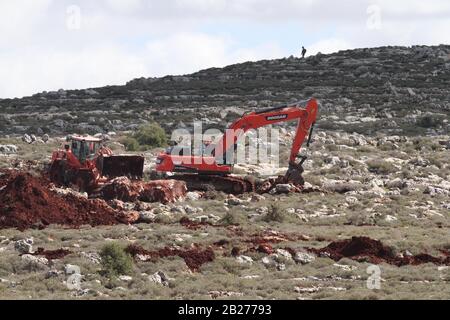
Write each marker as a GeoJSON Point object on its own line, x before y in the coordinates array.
{"type": "Point", "coordinates": [122, 166]}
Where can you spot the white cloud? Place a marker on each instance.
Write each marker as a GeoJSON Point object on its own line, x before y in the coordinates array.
{"type": "Point", "coordinates": [189, 52]}
{"type": "Point", "coordinates": [244, 9]}
{"type": "Point", "coordinates": [185, 52]}
{"type": "Point", "coordinates": [215, 6]}
{"type": "Point", "coordinates": [270, 50]}
{"type": "Point", "coordinates": [34, 71]}
{"type": "Point", "coordinates": [123, 39]}
{"type": "Point", "coordinates": [125, 6]}
{"type": "Point", "coordinates": [39, 69]}
{"type": "Point", "coordinates": [415, 7]}
{"type": "Point", "coordinates": [18, 18]}
{"type": "Point", "coordinates": [328, 46]}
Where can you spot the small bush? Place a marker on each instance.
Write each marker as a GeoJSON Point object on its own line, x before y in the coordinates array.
{"type": "Point", "coordinates": [151, 136]}
{"type": "Point", "coordinates": [147, 137]}
{"type": "Point", "coordinates": [406, 174]}
{"type": "Point", "coordinates": [358, 219]}
{"type": "Point", "coordinates": [229, 219]}
{"type": "Point", "coordinates": [275, 214]}
{"type": "Point", "coordinates": [343, 187]}
{"type": "Point", "coordinates": [130, 143]}
{"type": "Point", "coordinates": [115, 261]}
{"type": "Point", "coordinates": [430, 121]}
{"type": "Point", "coordinates": [381, 167]}
{"type": "Point", "coordinates": [438, 163]}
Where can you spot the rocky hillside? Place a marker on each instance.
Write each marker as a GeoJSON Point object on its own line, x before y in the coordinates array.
{"type": "Point", "coordinates": [393, 90]}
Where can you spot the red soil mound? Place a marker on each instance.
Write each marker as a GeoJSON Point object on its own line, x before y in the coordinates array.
{"type": "Point", "coordinates": [164, 191]}
{"type": "Point", "coordinates": [359, 247]}
{"type": "Point", "coordinates": [221, 243]}
{"type": "Point", "coordinates": [265, 248]}
{"type": "Point", "coordinates": [194, 258]}
{"type": "Point", "coordinates": [374, 251]}
{"type": "Point", "coordinates": [52, 254]}
{"type": "Point", "coordinates": [27, 202]}
{"type": "Point", "coordinates": [235, 252]}
{"type": "Point", "coordinates": [269, 236]}
{"type": "Point", "coordinates": [192, 225]}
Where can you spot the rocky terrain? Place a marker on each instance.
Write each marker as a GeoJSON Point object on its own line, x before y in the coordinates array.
{"type": "Point", "coordinates": [379, 200]}
{"type": "Point", "coordinates": [378, 182]}
{"type": "Point", "coordinates": [393, 90]}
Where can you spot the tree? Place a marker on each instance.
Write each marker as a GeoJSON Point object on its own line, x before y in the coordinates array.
{"type": "Point", "coordinates": [430, 121]}
{"type": "Point", "coordinates": [115, 261]}
{"type": "Point", "coordinates": [151, 136]}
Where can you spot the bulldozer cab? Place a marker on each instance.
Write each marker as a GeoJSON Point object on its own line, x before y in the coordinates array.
{"type": "Point", "coordinates": [84, 148]}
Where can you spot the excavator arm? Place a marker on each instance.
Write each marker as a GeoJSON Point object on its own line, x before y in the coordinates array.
{"type": "Point", "coordinates": [306, 119]}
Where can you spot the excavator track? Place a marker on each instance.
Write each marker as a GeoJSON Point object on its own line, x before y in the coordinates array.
{"type": "Point", "coordinates": [228, 184]}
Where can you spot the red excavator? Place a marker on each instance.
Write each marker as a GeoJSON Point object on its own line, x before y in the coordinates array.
{"type": "Point", "coordinates": [85, 163]}
{"type": "Point", "coordinates": [214, 171]}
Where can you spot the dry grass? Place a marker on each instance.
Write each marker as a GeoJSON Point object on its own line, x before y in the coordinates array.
{"type": "Point", "coordinates": [225, 273]}
{"type": "Point", "coordinates": [321, 217]}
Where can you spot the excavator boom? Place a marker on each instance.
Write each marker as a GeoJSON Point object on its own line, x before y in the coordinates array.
{"type": "Point", "coordinates": [306, 119]}
{"type": "Point", "coordinates": [221, 162]}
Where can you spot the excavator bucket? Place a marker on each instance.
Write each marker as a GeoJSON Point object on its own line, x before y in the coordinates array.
{"type": "Point", "coordinates": [122, 166]}
{"type": "Point", "coordinates": [294, 174]}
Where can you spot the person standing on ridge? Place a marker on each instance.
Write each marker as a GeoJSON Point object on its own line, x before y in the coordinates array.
{"type": "Point", "coordinates": [303, 52]}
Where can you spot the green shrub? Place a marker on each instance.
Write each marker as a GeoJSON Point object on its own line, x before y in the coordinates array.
{"type": "Point", "coordinates": [275, 214]}
{"type": "Point", "coordinates": [438, 163]}
{"type": "Point", "coordinates": [131, 144]}
{"type": "Point", "coordinates": [430, 121]}
{"type": "Point", "coordinates": [151, 136]}
{"type": "Point", "coordinates": [115, 261]}
{"type": "Point", "coordinates": [406, 174]}
{"type": "Point", "coordinates": [147, 137]}
{"type": "Point", "coordinates": [420, 143]}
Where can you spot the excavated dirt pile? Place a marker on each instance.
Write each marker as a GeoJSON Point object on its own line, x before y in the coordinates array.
{"type": "Point", "coordinates": [193, 225]}
{"type": "Point", "coordinates": [27, 202]}
{"type": "Point", "coordinates": [269, 236]}
{"type": "Point", "coordinates": [52, 254]}
{"type": "Point", "coordinates": [164, 191]}
{"type": "Point", "coordinates": [194, 257]}
{"type": "Point", "coordinates": [373, 251]}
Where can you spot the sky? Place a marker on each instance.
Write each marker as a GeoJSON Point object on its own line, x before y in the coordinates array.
{"type": "Point", "coordinates": [47, 45]}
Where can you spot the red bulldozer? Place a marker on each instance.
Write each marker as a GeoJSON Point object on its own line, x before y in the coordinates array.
{"type": "Point", "coordinates": [86, 163]}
